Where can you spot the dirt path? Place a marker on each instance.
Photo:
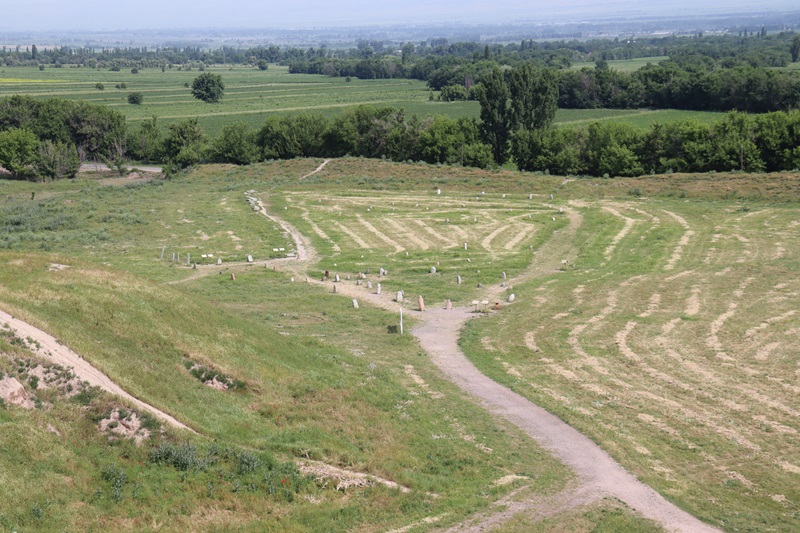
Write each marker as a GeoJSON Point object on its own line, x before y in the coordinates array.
{"type": "Point", "coordinates": [317, 169]}
{"type": "Point", "coordinates": [598, 473]}
{"type": "Point", "coordinates": [56, 352]}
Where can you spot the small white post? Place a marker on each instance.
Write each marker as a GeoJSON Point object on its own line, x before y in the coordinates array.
{"type": "Point", "coordinates": [401, 321]}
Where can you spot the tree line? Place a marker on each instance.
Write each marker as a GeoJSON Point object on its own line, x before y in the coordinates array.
{"type": "Point", "coordinates": [47, 139]}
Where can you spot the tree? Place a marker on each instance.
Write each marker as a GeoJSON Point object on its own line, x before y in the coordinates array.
{"type": "Point", "coordinates": [146, 144]}
{"type": "Point", "coordinates": [135, 98]}
{"type": "Point", "coordinates": [796, 48]}
{"type": "Point", "coordinates": [185, 143]}
{"type": "Point", "coordinates": [18, 150]}
{"type": "Point", "coordinates": [57, 160]}
{"type": "Point", "coordinates": [493, 95]}
{"type": "Point", "coordinates": [208, 87]}
{"type": "Point", "coordinates": [534, 97]}
{"type": "Point", "coordinates": [262, 64]}
{"type": "Point", "coordinates": [235, 144]}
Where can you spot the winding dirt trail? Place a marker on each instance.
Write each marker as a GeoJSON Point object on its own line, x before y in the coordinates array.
{"type": "Point", "coordinates": [52, 350]}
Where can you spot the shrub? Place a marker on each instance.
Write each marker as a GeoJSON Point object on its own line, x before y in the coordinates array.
{"type": "Point", "coordinates": [135, 98]}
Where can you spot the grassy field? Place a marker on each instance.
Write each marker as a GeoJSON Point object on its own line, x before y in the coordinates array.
{"type": "Point", "coordinates": [368, 402]}
{"type": "Point", "coordinates": [623, 65]}
{"type": "Point", "coordinates": [669, 340]}
{"type": "Point", "coordinates": [252, 95]}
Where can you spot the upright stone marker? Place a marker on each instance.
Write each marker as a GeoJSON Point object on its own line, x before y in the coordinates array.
{"type": "Point", "coordinates": [378, 289]}
{"type": "Point", "coordinates": [249, 258]}
{"type": "Point", "coordinates": [369, 285]}
{"type": "Point", "coordinates": [173, 257]}
{"type": "Point", "coordinates": [448, 305]}
{"type": "Point", "coordinates": [421, 303]}
{"type": "Point", "coordinates": [399, 298]}
{"type": "Point", "coordinates": [355, 303]}
{"type": "Point", "coordinates": [219, 260]}
{"type": "Point", "coordinates": [511, 297]}
{"type": "Point", "coordinates": [458, 280]}
{"type": "Point", "coordinates": [163, 248]}
{"type": "Point", "coordinates": [433, 270]}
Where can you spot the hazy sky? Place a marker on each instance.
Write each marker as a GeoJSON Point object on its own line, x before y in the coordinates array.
{"type": "Point", "coordinates": [22, 15]}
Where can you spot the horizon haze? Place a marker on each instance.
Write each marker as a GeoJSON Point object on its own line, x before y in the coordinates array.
{"type": "Point", "coordinates": [96, 15]}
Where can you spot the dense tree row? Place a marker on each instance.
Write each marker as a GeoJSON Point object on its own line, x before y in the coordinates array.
{"type": "Point", "coordinates": [681, 85]}
{"type": "Point", "coordinates": [46, 139]}
{"type": "Point", "coordinates": [738, 142]}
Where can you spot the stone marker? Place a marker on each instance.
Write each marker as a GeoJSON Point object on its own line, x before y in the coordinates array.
{"type": "Point", "coordinates": [458, 280]}
{"type": "Point", "coordinates": [162, 252]}
{"type": "Point", "coordinates": [465, 246]}
{"type": "Point", "coordinates": [291, 279]}
{"type": "Point", "coordinates": [480, 285]}
{"type": "Point", "coordinates": [503, 284]}
{"type": "Point", "coordinates": [504, 195]}
{"type": "Point", "coordinates": [348, 277]}
{"type": "Point", "coordinates": [551, 196]}
{"type": "Point", "coordinates": [219, 260]}
{"type": "Point", "coordinates": [334, 289]}
{"type": "Point", "coordinates": [560, 209]}
{"type": "Point", "coordinates": [399, 298]}
{"type": "Point", "coordinates": [369, 284]}
{"type": "Point", "coordinates": [421, 303]}
{"type": "Point", "coordinates": [173, 257]}
{"type": "Point", "coordinates": [378, 289]}
{"type": "Point", "coordinates": [355, 303]}
{"type": "Point", "coordinates": [358, 282]}
{"type": "Point", "coordinates": [433, 270]}
{"type": "Point", "coordinates": [469, 260]}
{"type": "Point", "coordinates": [274, 268]}
{"type": "Point", "coordinates": [530, 197]}
{"type": "Point", "coordinates": [448, 305]}
{"type": "Point", "coordinates": [438, 190]}
{"type": "Point", "coordinates": [504, 275]}
{"type": "Point", "coordinates": [511, 297]}
{"type": "Point", "coordinates": [233, 276]}
{"type": "Point", "coordinates": [249, 258]}
{"type": "Point", "coordinates": [336, 278]}
{"type": "Point", "coordinates": [194, 266]}
{"type": "Point", "coordinates": [563, 264]}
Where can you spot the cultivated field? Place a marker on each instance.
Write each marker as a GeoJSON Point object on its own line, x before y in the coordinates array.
{"type": "Point", "coordinates": [252, 95]}
{"type": "Point", "coordinates": [669, 338]}
{"type": "Point", "coordinates": [623, 65]}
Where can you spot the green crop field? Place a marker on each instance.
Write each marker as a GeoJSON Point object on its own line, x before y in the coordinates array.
{"type": "Point", "coordinates": [669, 339]}
{"type": "Point", "coordinates": [623, 65]}
{"type": "Point", "coordinates": [252, 95]}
